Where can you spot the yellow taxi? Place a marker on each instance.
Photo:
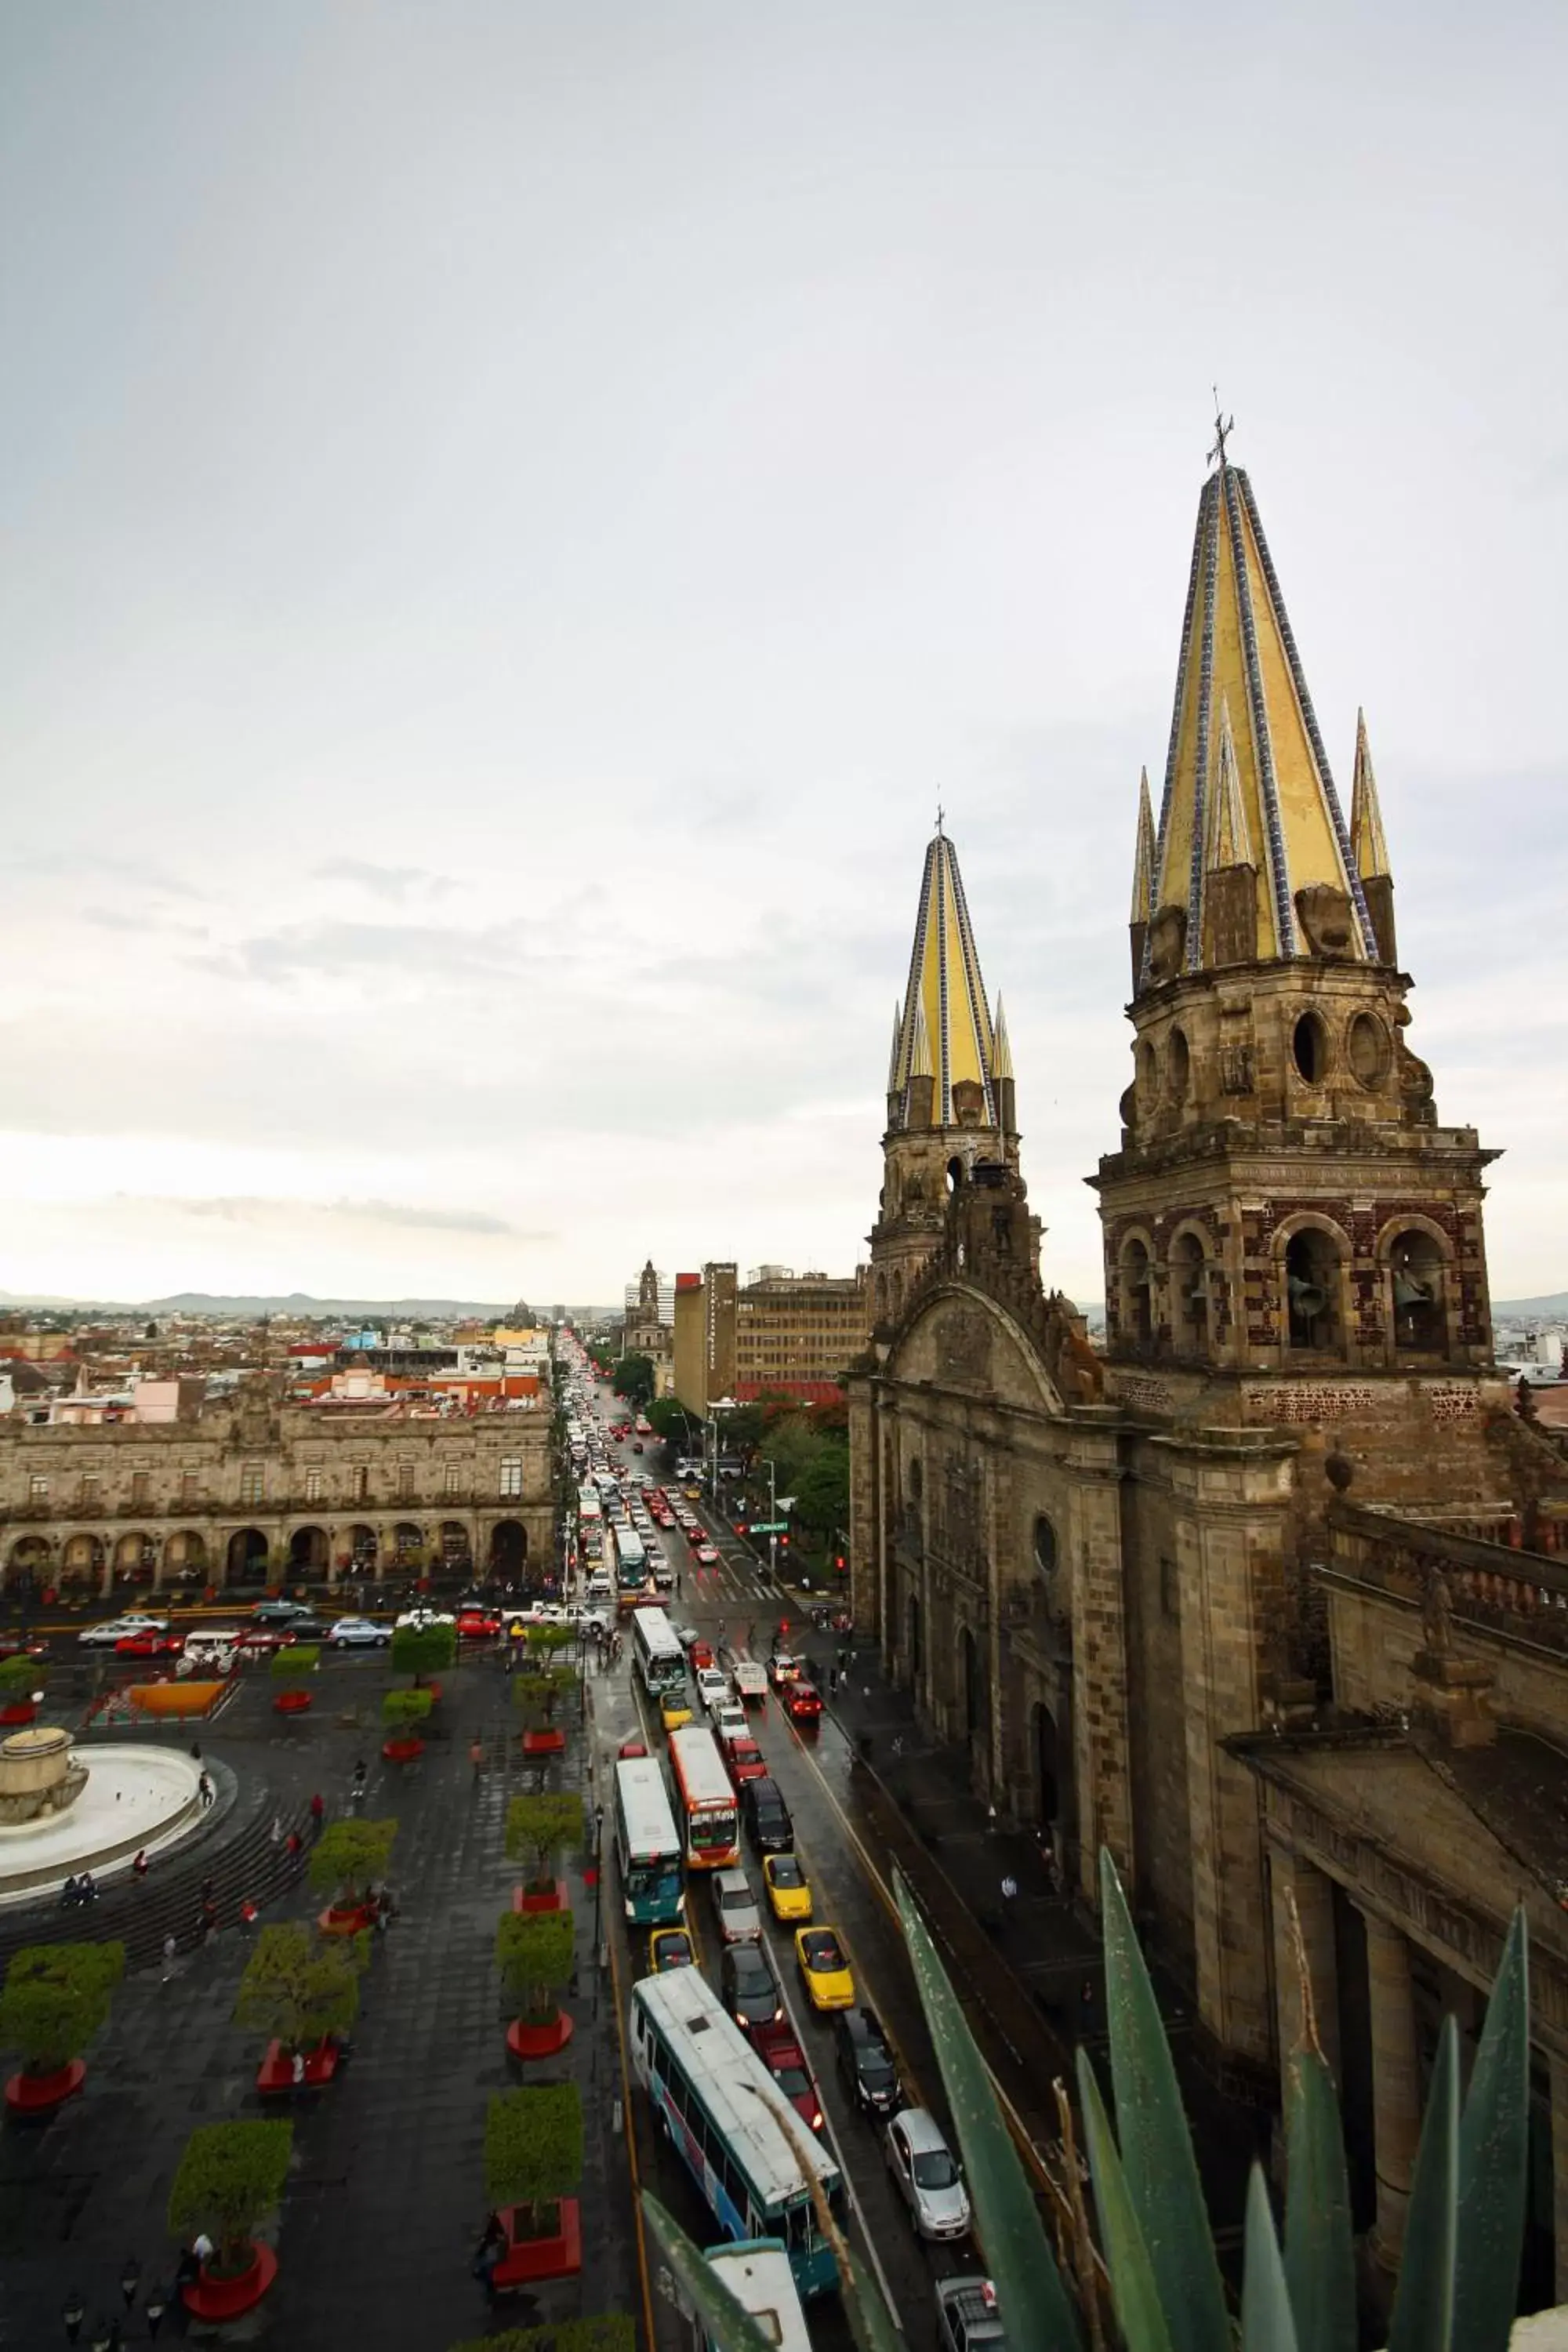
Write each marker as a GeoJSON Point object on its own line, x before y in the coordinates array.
{"type": "Point", "coordinates": [674, 1709]}
{"type": "Point", "coordinates": [670, 1948]}
{"type": "Point", "coordinates": [824, 1967]}
{"type": "Point", "coordinates": [786, 1885]}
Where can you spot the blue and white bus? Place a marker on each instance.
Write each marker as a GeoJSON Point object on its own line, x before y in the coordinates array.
{"type": "Point", "coordinates": [633, 1582]}
{"type": "Point", "coordinates": [720, 2106]}
{"type": "Point", "coordinates": [647, 1845]}
{"type": "Point", "coordinates": [660, 1660]}
{"type": "Point", "coordinates": [758, 2275]}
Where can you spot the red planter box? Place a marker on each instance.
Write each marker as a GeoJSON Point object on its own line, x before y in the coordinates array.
{"type": "Point", "coordinates": [402, 1751]}
{"type": "Point", "coordinates": [527, 2258]}
{"type": "Point", "coordinates": [549, 1898]}
{"type": "Point", "coordinates": [226, 2298]}
{"type": "Point", "coordinates": [36, 2094]}
{"type": "Point", "coordinates": [526, 2040]}
{"type": "Point", "coordinates": [276, 2072]}
{"type": "Point", "coordinates": [543, 1743]}
{"type": "Point", "coordinates": [21, 1711]}
{"type": "Point", "coordinates": [332, 1922]}
{"type": "Point", "coordinates": [292, 1702]}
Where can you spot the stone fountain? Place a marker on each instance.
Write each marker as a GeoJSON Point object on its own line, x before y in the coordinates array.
{"type": "Point", "coordinates": [39, 1777]}
{"type": "Point", "coordinates": [59, 1815]}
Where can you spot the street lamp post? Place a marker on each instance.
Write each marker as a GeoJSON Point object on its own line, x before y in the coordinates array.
{"type": "Point", "coordinates": [773, 1517]}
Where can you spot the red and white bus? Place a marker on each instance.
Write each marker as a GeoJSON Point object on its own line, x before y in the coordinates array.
{"type": "Point", "coordinates": [704, 1800]}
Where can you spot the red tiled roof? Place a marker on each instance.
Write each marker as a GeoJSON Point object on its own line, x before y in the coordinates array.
{"type": "Point", "coordinates": [803, 1392]}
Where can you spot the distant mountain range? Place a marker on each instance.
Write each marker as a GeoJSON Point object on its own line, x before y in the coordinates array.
{"type": "Point", "coordinates": [297, 1302]}
{"type": "Point", "coordinates": [1531, 1310]}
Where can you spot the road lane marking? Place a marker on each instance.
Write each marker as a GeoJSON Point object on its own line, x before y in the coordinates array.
{"type": "Point", "coordinates": [629, 2135]}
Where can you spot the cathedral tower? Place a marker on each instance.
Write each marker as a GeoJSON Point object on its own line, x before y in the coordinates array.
{"type": "Point", "coordinates": [950, 1086]}
{"type": "Point", "coordinates": [1284, 1203]}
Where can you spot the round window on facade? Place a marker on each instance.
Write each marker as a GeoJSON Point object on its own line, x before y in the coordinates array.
{"type": "Point", "coordinates": [1369, 1049]}
{"type": "Point", "coordinates": [1310, 1049]}
{"type": "Point", "coordinates": [1181, 1064]}
{"type": "Point", "coordinates": [1045, 1546]}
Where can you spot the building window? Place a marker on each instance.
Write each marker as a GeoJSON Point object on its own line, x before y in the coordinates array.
{"type": "Point", "coordinates": [313, 1486]}
{"type": "Point", "coordinates": [253, 1483]}
{"type": "Point", "coordinates": [451, 1477]}
{"type": "Point", "coordinates": [405, 1478]}
{"type": "Point", "coordinates": [1170, 1591]}
{"type": "Point", "coordinates": [141, 1485]}
{"type": "Point", "coordinates": [37, 1489]}
{"type": "Point", "coordinates": [1045, 1546]}
{"type": "Point", "coordinates": [88, 1494]}
{"type": "Point", "coordinates": [359, 1482]}
{"type": "Point", "coordinates": [511, 1477]}
{"type": "Point", "coordinates": [190, 1486]}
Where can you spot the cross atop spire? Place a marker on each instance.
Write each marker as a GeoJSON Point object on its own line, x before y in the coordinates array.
{"type": "Point", "coordinates": [1223, 426]}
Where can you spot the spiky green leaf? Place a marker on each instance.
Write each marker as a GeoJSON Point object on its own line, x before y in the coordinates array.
{"type": "Point", "coordinates": [1132, 2282]}
{"type": "Point", "coordinates": [1266, 2322]}
{"type": "Point", "coordinates": [1320, 2253]}
{"type": "Point", "coordinates": [1422, 2317]}
{"type": "Point", "coordinates": [1494, 2159]}
{"type": "Point", "coordinates": [1017, 2252]}
{"type": "Point", "coordinates": [1156, 2147]}
{"type": "Point", "coordinates": [726, 2319]}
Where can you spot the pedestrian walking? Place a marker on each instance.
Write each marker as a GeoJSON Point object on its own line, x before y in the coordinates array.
{"type": "Point", "coordinates": [318, 1810]}
{"type": "Point", "coordinates": [1009, 1891]}
{"type": "Point", "coordinates": [171, 1946]}
{"type": "Point", "coordinates": [476, 1757]}
{"type": "Point", "coordinates": [832, 1681]}
{"type": "Point", "coordinates": [139, 1863]}
{"type": "Point", "coordinates": [248, 1914]}
{"type": "Point", "coordinates": [277, 1829]}
{"type": "Point", "coordinates": [204, 1789]}
{"type": "Point", "coordinates": [293, 1845]}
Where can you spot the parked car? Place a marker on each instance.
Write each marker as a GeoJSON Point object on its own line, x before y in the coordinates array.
{"type": "Point", "coordinates": [766, 1816]}
{"type": "Point", "coordinates": [783, 2056]}
{"type": "Point", "coordinates": [866, 2062]}
{"type": "Point", "coordinates": [803, 1702]}
{"type": "Point", "coordinates": [476, 1624]}
{"type": "Point", "coordinates": [278, 1612]}
{"type": "Point", "coordinates": [926, 2175]}
{"type": "Point", "coordinates": [110, 1632]}
{"type": "Point", "coordinates": [735, 1908]}
{"type": "Point", "coordinates": [22, 1645]}
{"type": "Point", "coordinates": [424, 1617]}
{"type": "Point", "coordinates": [302, 1628]}
{"type": "Point", "coordinates": [358, 1634]}
{"type": "Point", "coordinates": [968, 2318]}
{"type": "Point", "coordinates": [748, 1987]}
{"type": "Point", "coordinates": [147, 1641]}
{"type": "Point", "coordinates": [824, 1969]}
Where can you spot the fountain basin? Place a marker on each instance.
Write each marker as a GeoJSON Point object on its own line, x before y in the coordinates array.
{"type": "Point", "coordinates": [128, 1797]}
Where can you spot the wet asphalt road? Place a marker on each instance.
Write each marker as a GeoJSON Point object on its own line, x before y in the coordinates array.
{"type": "Point", "coordinates": [734, 1605]}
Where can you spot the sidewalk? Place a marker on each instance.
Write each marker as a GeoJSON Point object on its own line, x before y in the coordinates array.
{"type": "Point", "coordinates": [1027, 1968]}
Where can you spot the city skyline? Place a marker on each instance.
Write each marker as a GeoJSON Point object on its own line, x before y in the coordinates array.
{"type": "Point", "coordinates": [522, 523]}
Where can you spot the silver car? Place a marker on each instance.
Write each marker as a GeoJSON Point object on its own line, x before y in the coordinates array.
{"type": "Point", "coordinates": [109, 1630]}
{"type": "Point", "coordinates": [358, 1634]}
{"type": "Point", "coordinates": [928, 2176]}
{"type": "Point", "coordinates": [735, 1909]}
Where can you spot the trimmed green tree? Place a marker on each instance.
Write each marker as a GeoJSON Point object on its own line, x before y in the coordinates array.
{"type": "Point", "coordinates": [539, 1829]}
{"type": "Point", "coordinates": [294, 1667]}
{"type": "Point", "coordinates": [607, 2331]}
{"type": "Point", "coordinates": [297, 1989]}
{"type": "Point", "coordinates": [536, 1954]}
{"type": "Point", "coordinates": [421, 1650]}
{"type": "Point", "coordinates": [19, 1678]}
{"type": "Point", "coordinates": [229, 2179]}
{"type": "Point", "coordinates": [533, 2152]}
{"type": "Point", "coordinates": [536, 1695]}
{"type": "Point", "coordinates": [403, 1712]}
{"type": "Point", "coordinates": [349, 1858]}
{"type": "Point", "coordinates": [57, 1998]}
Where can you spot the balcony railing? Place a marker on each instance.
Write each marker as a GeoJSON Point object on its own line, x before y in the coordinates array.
{"type": "Point", "coordinates": [1522, 1594]}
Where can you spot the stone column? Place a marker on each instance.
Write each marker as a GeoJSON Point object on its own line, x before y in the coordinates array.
{"type": "Point", "coordinates": [1395, 2084]}
{"type": "Point", "coordinates": [1314, 1894]}
{"type": "Point", "coordinates": [1560, 2171]}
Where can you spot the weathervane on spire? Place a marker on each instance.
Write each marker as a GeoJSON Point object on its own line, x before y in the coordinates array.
{"type": "Point", "coordinates": [939, 812]}
{"type": "Point", "coordinates": [1223, 426]}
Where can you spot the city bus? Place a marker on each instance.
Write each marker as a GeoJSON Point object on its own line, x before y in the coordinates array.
{"type": "Point", "coordinates": [660, 1660]}
{"type": "Point", "coordinates": [704, 1800]}
{"type": "Point", "coordinates": [633, 1582]}
{"type": "Point", "coordinates": [758, 2275]}
{"type": "Point", "coordinates": [647, 1845]}
{"type": "Point", "coordinates": [718, 2104]}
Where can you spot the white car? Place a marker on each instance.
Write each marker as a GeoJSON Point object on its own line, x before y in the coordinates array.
{"type": "Point", "coordinates": [928, 2175]}
{"type": "Point", "coordinates": [750, 1680]}
{"type": "Point", "coordinates": [731, 1721]}
{"type": "Point", "coordinates": [104, 1636]}
{"type": "Point", "coordinates": [358, 1634]}
{"type": "Point", "coordinates": [735, 1909]}
{"type": "Point", "coordinates": [425, 1617]}
{"type": "Point", "coordinates": [712, 1688]}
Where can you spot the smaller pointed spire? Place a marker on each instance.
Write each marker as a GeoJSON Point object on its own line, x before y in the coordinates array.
{"type": "Point", "coordinates": [1228, 843]}
{"type": "Point", "coordinates": [898, 1032]}
{"type": "Point", "coordinates": [1144, 861]}
{"type": "Point", "coordinates": [921, 1062]}
{"type": "Point", "coordinates": [1369, 849]}
{"type": "Point", "coordinates": [1000, 1051]}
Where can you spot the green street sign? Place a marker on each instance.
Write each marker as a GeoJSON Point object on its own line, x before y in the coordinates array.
{"type": "Point", "coordinates": [770, 1526]}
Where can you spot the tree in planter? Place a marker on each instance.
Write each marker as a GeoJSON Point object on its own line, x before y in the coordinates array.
{"type": "Point", "coordinates": [349, 1858]}
{"type": "Point", "coordinates": [57, 1997]}
{"type": "Point", "coordinates": [294, 1667]}
{"type": "Point", "coordinates": [538, 1694]}
{"type": "Point", "coordinates": [533, 2152]}
{"type": "Point", "coordinates": [421, 1650]}
{"type": "Point", "coordinates": [541, 1828]}
{"type": "Point", "coordinates": [536, 1954]}
{"type": "Point", "coordinates": [230, 2178]}
{"type": "Point", "coordinates": [19, 1678]}
{"type": "Point", "coordinates": [403, 1711]}
{"type": "Point", "coordinates": [297, 1990]}
{"type": "Point", "coordinates": [545, 1644]}
{"type": "Point", "coordinates": [607, 2331]}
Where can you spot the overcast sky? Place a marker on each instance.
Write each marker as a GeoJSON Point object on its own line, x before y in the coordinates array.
{"type": "Point", "coordinates": [512, 516]}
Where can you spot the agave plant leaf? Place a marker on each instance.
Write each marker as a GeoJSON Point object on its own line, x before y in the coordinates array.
{"type": "Point", "coordinates": [1132, 2281]}
{"type": "Point", "coordinates": [1266, 2322]}
{"type": "Point", "coordinates": [1320, 2253]}
{"type": "Point", "coordinates": [1017, 2252]}
{"type": "Point", "coordinates": [727, 2320]}
{"type": "Point", "coordinates": [1423, 2319]}
{"type": "Point", "coordinates": [1494, 2159]}
{"type": "Point", "coordinates": [1156, 2147]}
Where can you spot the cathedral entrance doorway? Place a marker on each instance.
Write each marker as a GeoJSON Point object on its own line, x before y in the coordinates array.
{"type": "Point", "coordinates": [508, 1550]}
{"type": "Point", "coordinates": [917, 1643]}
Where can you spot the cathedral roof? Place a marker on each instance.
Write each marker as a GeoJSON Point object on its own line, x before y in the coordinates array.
{"type": "Point", "coordinates": [946, 1032]}
{"type": "Point", "coordinates": [1257, 788]}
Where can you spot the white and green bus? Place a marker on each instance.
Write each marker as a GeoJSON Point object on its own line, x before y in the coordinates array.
{"type": "Point", "coordinates": [647, 1845]}
{"type": "Point", "coordinates": [720, 2106]}
{"type": "Point", "coordinates": [758, 2275]}
{"type": "Point", "coordinates": [660, 1660]}
{"type": "Point", "coordinates": [633, 1582]}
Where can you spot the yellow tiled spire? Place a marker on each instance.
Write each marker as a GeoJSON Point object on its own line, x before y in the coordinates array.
{"type": "Point", "coordinates": [1143, 860]}
{"type": "Point", "coordinates": [1238, 650]}
{"type": "Point", "coordinates": [1000, 1051]}
{"type": "Point", "coordinates": [946, 1033]}
{"type": "Point", "coordinates": [1369, 849]}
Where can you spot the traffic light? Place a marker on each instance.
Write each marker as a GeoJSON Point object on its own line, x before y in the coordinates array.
{"type": "Point", "coordinates": [783, 1542]}
{"type": "Point", "coordinates": [839, 1562]}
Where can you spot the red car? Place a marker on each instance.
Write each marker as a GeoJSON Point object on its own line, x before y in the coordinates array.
{"type": "Point", "coordinates": [150, 1643]}
{"type": "Point", "coordinates": [706, 1554]}
{"type": "Point", "coordinates": [476, 1624]}
{"type": "Point", "coordinates": [630, 1748]}
{"type": "Point", "coordinates": [21, 1645]}
{"type": "Point", "coordinates": [700, 1654]}
{"type": "Point", "coordinates": [745, 1758]}
{"type": "Point", "coordinates": [696, 1536]}
{"type": "Point", "coordinates": [257, 1640]}
{"type": "Point", "coordinates": [781, 2053]}
{"type": "Point", "coordinates": [803, 1702]}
